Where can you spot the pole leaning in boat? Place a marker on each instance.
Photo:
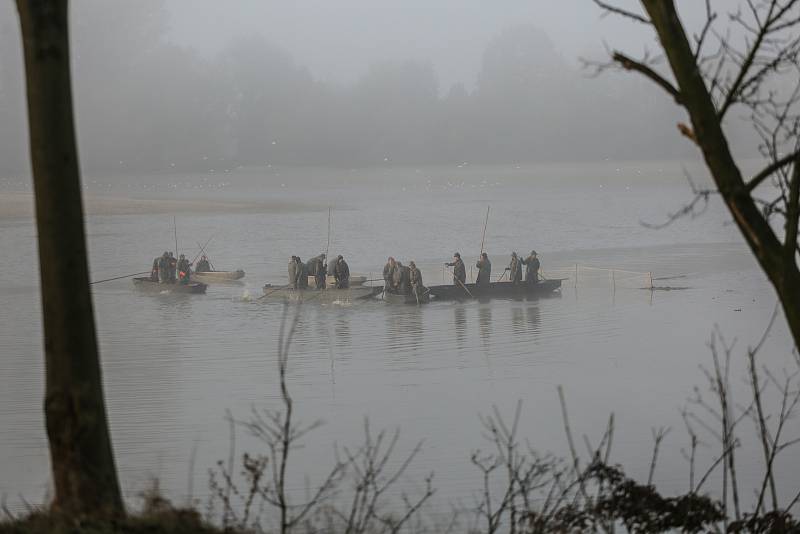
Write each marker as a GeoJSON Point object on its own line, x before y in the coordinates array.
{"type": "Point", "coordinates": [175, 231]}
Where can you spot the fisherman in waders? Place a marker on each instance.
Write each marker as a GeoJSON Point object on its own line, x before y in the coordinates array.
{"type": "Point", "coordinates": [415, 278]}
{"type": "Point", "coordinates": [293, 272]}
{"type": "Point", "coordinates": [341, 272]}
{"type": "Point", "coordinates": [173, 266]}
{"type": "Point", "coordinates": [302, 274]}
{"type": "Point", "coordinates": [317, 268]}
{"type": "Point", "coordinates": [154, 270]}
{"type": "Point", "coordinates": [163, 268]}
{"type": "Point", "coordinates": [203, 266]}
{"type": "Point", "coordinates": [515, 269]}
{"type": "Point", "coordinates": [184, 270]}
{"type": "Point", "coordinates": [532, 265]}
{"type": "Point", "coordinates": [401, 279]}
{"type": "Point", "coordinates": [484, 270]}
{"type": "Point", "coordinates": [388, 275]}
{"type": "Point", "coordinates": [459, 270]}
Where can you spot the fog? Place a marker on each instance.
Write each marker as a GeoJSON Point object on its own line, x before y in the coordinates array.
{"type": "Point", "coordinates": [200, 85]}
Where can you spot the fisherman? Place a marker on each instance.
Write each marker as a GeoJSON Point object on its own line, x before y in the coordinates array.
{"type": "Point", "coordinates": [318, 269]}
{"type": "Point", "coordinates": [203, 266]}
{"type": "Point", "coordinates": [163, 268]}
{"type": "Point", "coordinates": [401, 279]}
{"type": "Point", "coordinates": [184, 270]}
{"type": "Point", "coordinates": [154, 270]}
{"type": "Point", "coordinates": [341, 272]}
{"type": "Point", "coordinates": [388, 275]}
{"type": "Point", "coordinates": [302, 274]}
{"type": "Point", "coordinates": [484, 270]}
{"type": "Point", "coordinates": [531, 268]}
{"type": "Point", "coordinates": [173, 266]}
{"type": "Point", "coordinates": [415, 278]}
{"type": "Point", "coordinates": [515, 269]}
{"type": "Point", "coordinates": [293, 272]}
{"type": "Point", "coordinates": [459, 270]}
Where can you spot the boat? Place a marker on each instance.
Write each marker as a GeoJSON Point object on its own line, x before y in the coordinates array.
{"type": "Point", "coordinates": [394, 298]}
{"type": "Point", "coordinates": [209, 277]}
{"type": "Point", "coordinates": [157, 287]}
{"type": "Point", "coordinates": [327, 295]}
{"type": "Point", "coordinates": [495, 290]}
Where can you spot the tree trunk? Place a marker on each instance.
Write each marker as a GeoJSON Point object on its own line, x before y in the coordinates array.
{"type": "Point", "coordinates": [782, 272]}
{"type": "Point", "coordinates": [81, 455]}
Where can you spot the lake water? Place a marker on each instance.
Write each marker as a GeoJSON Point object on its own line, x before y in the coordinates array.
{"type": "Point", "coordinates": [173, 365]}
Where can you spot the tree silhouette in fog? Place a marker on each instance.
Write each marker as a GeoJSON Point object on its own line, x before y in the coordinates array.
{"type": "Point", "coordinates": [81, 456]}
{"type": "Point", "coordinates": [716, 74]}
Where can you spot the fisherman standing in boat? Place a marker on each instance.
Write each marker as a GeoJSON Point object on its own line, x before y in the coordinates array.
{"type": "Point", "coordinates": [388, 275]}
{"type": "Point", "coordinates": [484, 270]}
{"type": "Point", "coordinates": [203, 266]}
{"type": "Point", "coordinates": [415, 278]}
{"type": "Point", "coordinates": [531, 268]}
{"type": "Point", "coordinates": [515, 269]}
{"type": "Point", "coordinates": [401, 279]}
{"type": "Point", "coordinates": [154, 270]}
{"type": "Point", "coordinates": [172, 270]}
{"type": "Point", "coordinates": [341, 272]}
{"type": "Point", "coordinates": [293, 272]}
{"type": "Point", "coordinates": [184, 270]}
{"type": "Point", "coordinates": [459, 270]}
{"type": "Point", "coordinates": [163, 268]}
{"type": "Point", "coordinates": [302, 274]}
{"type": "Point", "coordinates": [317, 268]}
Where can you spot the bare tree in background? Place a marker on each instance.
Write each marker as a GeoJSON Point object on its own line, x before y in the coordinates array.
{"type": "Point", "coordinates": [81, 455]}
{"type": "Point", "coordinates": [750, 67]}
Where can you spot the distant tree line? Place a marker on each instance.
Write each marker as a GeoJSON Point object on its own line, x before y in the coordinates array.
{"type": "Point", "coordinates": [144, 103]}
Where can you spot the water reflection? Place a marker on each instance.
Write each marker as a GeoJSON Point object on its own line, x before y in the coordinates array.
{"type": "Point", "coordinates": [532, 314]}
{"type": "Point", "coordinates": [460, 321]}
{"type": "Point", "coordinates": [485, 323]}
{"type": "Point", "coordinates": [404, 327]}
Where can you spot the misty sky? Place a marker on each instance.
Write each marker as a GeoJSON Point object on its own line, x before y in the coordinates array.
{"type": "Point", "coordinates": [338, 39]}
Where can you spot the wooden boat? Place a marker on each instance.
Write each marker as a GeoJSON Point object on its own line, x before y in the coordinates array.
{"type": "Point", "coordinates": [330, 280]}
{"type": "Point", "coordinates": [495, 290]}
{"type": "Point", "coordinates": [157, 287]}
{"type": "Point", "coordinates": [327, 295]}
{"type": "Point", "coordinates": [394, 298]}
{"type": "Point", "coordinates": [210, 277]}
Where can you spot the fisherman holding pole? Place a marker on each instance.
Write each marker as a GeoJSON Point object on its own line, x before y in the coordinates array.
{"type": "Point", "coordinates": [459, 270]}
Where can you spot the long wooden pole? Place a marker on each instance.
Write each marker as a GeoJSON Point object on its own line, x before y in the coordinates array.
{"type": "Point", "coordinates": [485, 224]}
{"type": "Point", "coordinates": [328, 246]}
{"type": "Point", "coordinates": [175, 231]}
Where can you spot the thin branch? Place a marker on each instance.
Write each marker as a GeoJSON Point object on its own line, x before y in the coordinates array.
{"type": "Point", "coordinates": [628, 63]}
{"type": "Point", "coordinates": [622, 12]}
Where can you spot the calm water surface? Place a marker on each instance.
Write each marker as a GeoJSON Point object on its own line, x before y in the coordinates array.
{"type": "Point", "coordinates": [174, 364]}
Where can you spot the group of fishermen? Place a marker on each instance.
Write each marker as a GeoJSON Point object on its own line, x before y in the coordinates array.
{"type": "Point", "coordinates": [403, 280]}
{"type": "Point", "coordinates": [531, 264]}
{"type": "Point", "coordinates": [318, 268]}
{"type": "Point", "coordinates": [407, 280]}
{"type": "Point", "coordinates": [168, 270]}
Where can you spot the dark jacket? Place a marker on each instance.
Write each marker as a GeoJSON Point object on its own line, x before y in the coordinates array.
{"type": "Point", "coordinates": [293, 268]}
{"type": "Point", "coordinates": [388, 274]}
{"type": "Point", "coordinates": [459, 271]}
{"type": "Point", "coordinates": [484, 271]}
{"type": "Point", "coordinates": [341, 272]}
{"type": "Point", "coordinates": [302, 275]}
{"type": "Point", "coordinates": [531, 269]}
{"type": "Point", "coordinates": [415, 277]}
